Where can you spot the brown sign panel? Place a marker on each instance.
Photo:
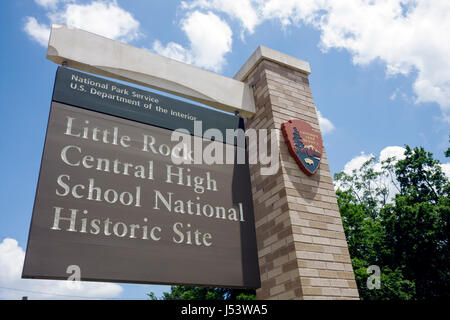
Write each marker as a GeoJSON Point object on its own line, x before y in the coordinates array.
{"type": "Point", "coordinates": [111, 201]}
{"type": "Point", "coordinates": [304, 144]}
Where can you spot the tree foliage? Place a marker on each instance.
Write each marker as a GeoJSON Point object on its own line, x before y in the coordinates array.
{"type": "Point", "coordinates": [205, 293]}
{"type": "Point", "coordinates": [447, 152]}
{"type": "Point", "coordinates": [396, 216]}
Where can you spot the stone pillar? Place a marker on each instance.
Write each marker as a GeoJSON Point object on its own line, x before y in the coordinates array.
{"type": "Point", "coordinates": [302, 249]}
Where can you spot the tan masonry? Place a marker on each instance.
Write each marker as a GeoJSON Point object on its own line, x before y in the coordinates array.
{"type": "Point", "coordinates": [302, 248]}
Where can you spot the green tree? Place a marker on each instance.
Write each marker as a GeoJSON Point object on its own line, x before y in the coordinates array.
{"type": "Point", "coordinates": [396, 216]}
{"type": "Point", "coordinates": [447, 152]}
{"type": "Point", "coordinates": [205, 293]}
{"type": "Point", "coordinates": [418, 224]}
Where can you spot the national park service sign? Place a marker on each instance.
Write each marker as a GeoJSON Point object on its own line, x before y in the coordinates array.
{"type": "Point", "coordinates": [304, 143]}
{"type": "Point", "coordinates": [111, 201]}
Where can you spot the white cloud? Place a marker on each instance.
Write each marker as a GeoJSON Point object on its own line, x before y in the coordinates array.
{"type": "Point", "coordinates": [210, 40]}
{"type": "Point", "coordinates": [446, 169]}
{"type": "Point", "coordinates": [395, 152]}
{"type": "Point", "coordinates": [409, 36]}
{"type": "Point", "coordinates": [38, 32]}
{"type": "Point", "coordinates": [353, 164]}
{"type": "Point", "coordinates": [173, 50]}
{"type": "Point", "coordinates": [356, 162]}
{"type": "Point", "coordinates": [415, 40]}
{"type": "Point", "coordinates": [105, 18]}
{"type": "Point", "coordinates": [326, 126]}
{"type": "Point", "coordinates": [50, 4]}
{"type": "Point", "coordinates": [394, 94]}
{"type": "Point", "coordinates": [386, 181]}
{"type": "Point", "coordinates": [242, 10]}
{"type": "Point", "coordinates": [291, 11]}
{"type": "Point", "coordinates": [392, 152]}
{"type": "Point", "coordinates": [414, 43]}
{"type": "Point", "coordinates": [11, 264]}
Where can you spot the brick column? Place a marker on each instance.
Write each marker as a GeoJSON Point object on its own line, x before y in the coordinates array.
{"type": "Point", "coordinates": [302, 249]}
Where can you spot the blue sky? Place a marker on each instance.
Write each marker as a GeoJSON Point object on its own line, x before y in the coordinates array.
{"type": "Point", "coordinates": [380, 79]}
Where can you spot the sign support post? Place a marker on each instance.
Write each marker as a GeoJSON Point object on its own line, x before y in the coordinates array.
{"type": "Point", "coordinates": [302, 248]}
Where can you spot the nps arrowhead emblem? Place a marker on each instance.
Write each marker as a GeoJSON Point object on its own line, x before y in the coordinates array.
{"type": "Point", "coordinates": [304, 143]}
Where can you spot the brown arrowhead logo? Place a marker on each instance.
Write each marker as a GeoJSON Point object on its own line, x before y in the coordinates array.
{"type": "Point", "coordinates": [304, 143]}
